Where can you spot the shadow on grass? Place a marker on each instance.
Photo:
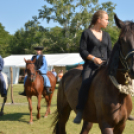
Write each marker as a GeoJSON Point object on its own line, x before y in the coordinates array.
{"type": "Point", "coordinates": [16, 117]}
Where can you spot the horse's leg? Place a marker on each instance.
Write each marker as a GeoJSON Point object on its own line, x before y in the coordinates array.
{"type": "Point", "coordinates": [48, 101]}
{"type": "Point", "coordinates": [38, 106]}
{"type": "Point", "coordinates": [30, 108]}
{"type": "Point", "coordinates": [86, 127]}
{"type": "Point", "coordinates": [105, 128]}
{"type": "Point", "coordinates": [119, 129]}
{"type": "Point", "coordinates": [3, 104]}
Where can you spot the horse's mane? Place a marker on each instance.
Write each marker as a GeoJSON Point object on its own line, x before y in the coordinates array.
{"type": "Point", "coordinates": [129, 26]}
{"type": "Point", "coordinates": [29, 61]}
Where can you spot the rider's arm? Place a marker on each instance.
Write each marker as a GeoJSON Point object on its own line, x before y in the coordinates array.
{"type": "Point", "coordinates": [83, 45]}
{"type": "Point", "coordinates": [43, 68]}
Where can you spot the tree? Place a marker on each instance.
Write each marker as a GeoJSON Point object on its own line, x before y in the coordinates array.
{"type": "Point", "coordinates": [4, 41]}
{"type": "Point", "coordinates": [73, 16]}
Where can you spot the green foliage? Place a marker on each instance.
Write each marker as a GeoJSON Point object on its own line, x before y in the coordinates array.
{"type": "Point", "coordinates": [114, 33]}
{"type": "Point", "coordinates": [73, 16]}
{"type": "Point", "coordinates": [4, 41]}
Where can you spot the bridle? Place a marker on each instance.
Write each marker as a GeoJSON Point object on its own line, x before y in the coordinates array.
{"type": "Point", "coordinates": [124, 59]}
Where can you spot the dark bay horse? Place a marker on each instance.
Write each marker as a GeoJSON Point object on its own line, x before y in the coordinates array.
{"type": "Point", "coordinates": [7, 87]}
{"type": "Point", "coordinates": [106, 105]}
{"type": "Point", "coordinates": [34, 86]}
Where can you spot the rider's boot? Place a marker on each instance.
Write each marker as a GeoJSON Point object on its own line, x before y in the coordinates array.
{"type": "Point", "coordinates": [48, 91]}
{"type": "Point", "coordinates": [3, 93]}
{"type": "Point", "coordinates": [78, 117]}
{"type": "Point", "coordinates": [23, 93]}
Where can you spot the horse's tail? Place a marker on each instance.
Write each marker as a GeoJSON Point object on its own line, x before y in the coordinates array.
{"type": "Point", "coordinates": [58, 112]}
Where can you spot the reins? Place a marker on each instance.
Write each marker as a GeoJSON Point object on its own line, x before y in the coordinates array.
{"type": "Point", "coordinates": [123, 60]}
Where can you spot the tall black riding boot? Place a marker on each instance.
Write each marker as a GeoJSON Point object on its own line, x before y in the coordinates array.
{"type": "Point", "coordinates": [78, 117]}
{"type": "Point", "coordinates": [23, 93]}
{"type": "Point", "coordinates": [48, 91]}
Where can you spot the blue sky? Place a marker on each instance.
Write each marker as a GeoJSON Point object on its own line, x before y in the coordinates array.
{"type": "Point", "coordinates": [15, 13]}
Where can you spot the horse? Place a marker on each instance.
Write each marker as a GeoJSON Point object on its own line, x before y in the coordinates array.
{"type": "Point", "coordinates": [109, 99]}
{"type": "Point", "coordinates": [34, 85]}
{"type": "Point", "coordinates": [7, 87]}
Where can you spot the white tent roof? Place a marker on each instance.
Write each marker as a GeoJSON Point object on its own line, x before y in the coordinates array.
{"type": "Point", "coordinates": [62, 59]}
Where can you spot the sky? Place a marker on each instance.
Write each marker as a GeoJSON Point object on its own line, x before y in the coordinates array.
{"type": "Point", "coordinates": [15, 13]}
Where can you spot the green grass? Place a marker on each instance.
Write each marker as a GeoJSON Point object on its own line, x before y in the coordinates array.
{"type": "Point", "coordinates": [16, 118]}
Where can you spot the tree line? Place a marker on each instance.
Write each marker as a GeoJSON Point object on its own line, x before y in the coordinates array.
{"type": "Point", "coordinates": [73, 16]}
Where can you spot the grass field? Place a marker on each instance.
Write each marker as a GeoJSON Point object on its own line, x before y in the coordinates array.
{"type": "Point", "coordinates": [16, 118]}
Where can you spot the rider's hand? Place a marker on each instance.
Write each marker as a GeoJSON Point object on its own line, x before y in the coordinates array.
{"type": "Point", "coordinates": [97, 61]}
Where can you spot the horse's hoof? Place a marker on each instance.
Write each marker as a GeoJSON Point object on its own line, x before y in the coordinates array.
{"type": "Point", "coordinates": [30, 122]}
{"type": "Point", "coordinates": [45, 116]}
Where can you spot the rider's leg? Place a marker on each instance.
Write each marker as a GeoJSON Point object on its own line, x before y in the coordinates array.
{"type": "Point", "coordinates": [3, 86]}
{"type": "Point", "coordinates": [24, 92]}
{"type": "Point", "coordinates": [83, 93]}
{"type": "Point", "coordinates": [47, 84]}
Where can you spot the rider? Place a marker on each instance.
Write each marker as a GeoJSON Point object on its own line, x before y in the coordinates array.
{"type": "Point", "coordinates": [41, 65]}
{"type": "Point", "coordinates": [95, 48]}
{"type": "Point", "coordinates": [3, 84]}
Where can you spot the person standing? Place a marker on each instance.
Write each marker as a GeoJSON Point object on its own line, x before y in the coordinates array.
{"type": "Point", "coordinates": [41, 65]}
{"type": "Point", "coordinates": [60, 75]}
{"type": "Point", "coordinates": [53, 71]}
{"type": "Point", "coordinates": [95, 48]}
{"type": "Point", "coordinates": [2, 81]}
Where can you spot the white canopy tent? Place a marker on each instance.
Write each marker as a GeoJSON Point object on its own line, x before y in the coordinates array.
{"type": "Point", "coordinates": [17, 62]}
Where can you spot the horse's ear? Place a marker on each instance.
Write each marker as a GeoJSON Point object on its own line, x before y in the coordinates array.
{"type": "Point", "coordinates": [34, 60]}
{"type": "Point", "coordinates": [25, 60]}
{"type": "Point", "coordinates": [118, 22]}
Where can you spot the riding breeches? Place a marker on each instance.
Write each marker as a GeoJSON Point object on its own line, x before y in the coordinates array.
{"type": "Point", "coordinates": [87, 76]}
{"type": "Point", "coordinates": [46, 80]}
{"type": "Point", "coordinates": [2, 85]}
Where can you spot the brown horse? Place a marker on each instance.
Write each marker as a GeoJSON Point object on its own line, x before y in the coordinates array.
{"type": "Point", "coordinates": [106, 105]}
{"type": "Point", "coordinates": [34, 86]}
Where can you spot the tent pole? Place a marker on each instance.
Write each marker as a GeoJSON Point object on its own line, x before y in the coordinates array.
{"type": "Point", "coordinates": [11, 76]}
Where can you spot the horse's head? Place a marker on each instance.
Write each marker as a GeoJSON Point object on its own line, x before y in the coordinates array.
{"type": "Point", "coordinates": [126, 45]}
{"type": "Point", "coordinates": [30, 69]}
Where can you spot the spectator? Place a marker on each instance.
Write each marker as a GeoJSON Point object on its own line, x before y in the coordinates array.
{"type": "Point", "coordinates": [60, 75]}
{"type": "Point", "coordinates": [53, 71]}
